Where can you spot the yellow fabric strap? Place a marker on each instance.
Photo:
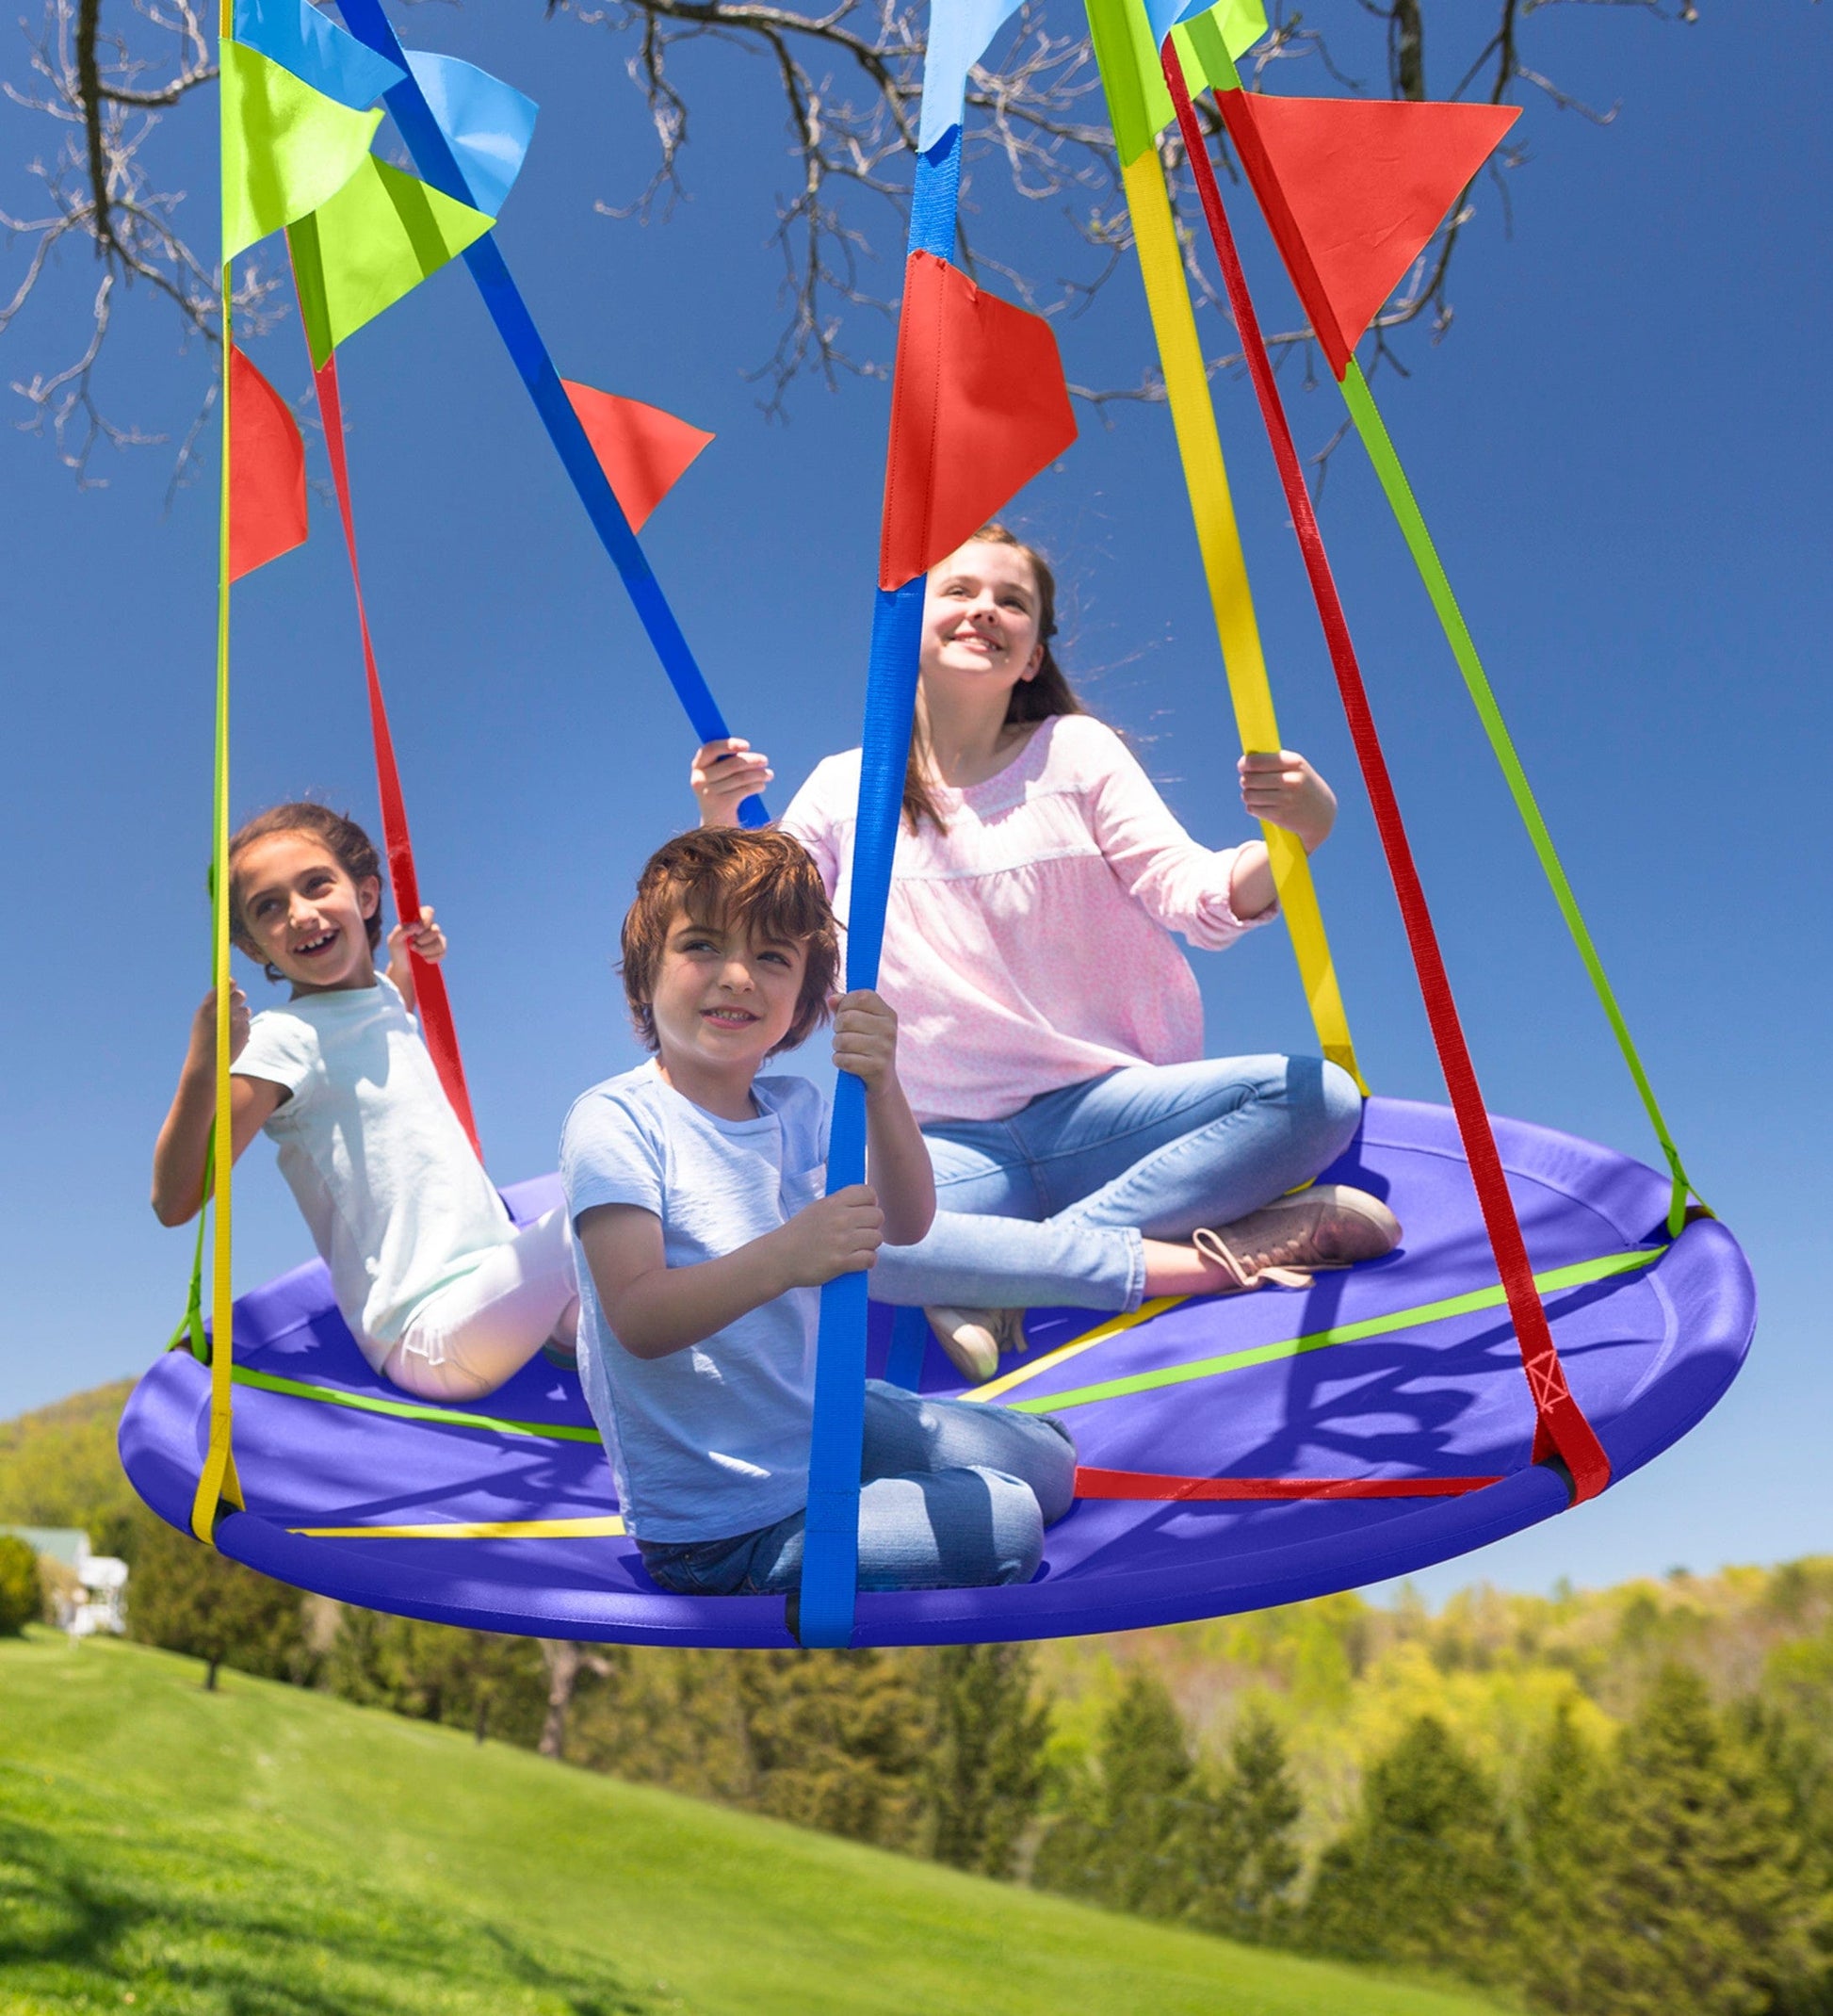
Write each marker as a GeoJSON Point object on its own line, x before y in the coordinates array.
{"type": "Point", "coordinates": [1224, 567]}
{"type": "Point", "coordinates": [218, 1482]}
{"type": "Point", "coordinates": [607, 1527]}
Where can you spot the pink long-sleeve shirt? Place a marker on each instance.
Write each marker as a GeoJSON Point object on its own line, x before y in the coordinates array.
{"type": "Point", "coordinates": [1029, 946]}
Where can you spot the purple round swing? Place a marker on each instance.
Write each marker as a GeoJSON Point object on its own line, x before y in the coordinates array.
{"type": "Point", "coordinates": [1237, 1452]}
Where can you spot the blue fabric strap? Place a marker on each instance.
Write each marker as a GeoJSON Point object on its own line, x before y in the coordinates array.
{"type": "Point", "coordinates": [935, 200]}
{"type": "Point", "coordinates": [830, 1562]}
{"type": "Point", "coordinates": [910, 1342]}
{"type": "Point", "coordinates": [432, 155]}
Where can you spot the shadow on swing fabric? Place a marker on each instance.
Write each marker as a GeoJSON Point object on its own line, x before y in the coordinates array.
{"type": "Point", "coordinates": [1367, 1375]}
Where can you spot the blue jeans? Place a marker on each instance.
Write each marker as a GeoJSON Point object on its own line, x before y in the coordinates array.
{"type": "Point", "coordinates": [1051, 1204]}
{"type": "Point", "coordinates": [953, 1496]}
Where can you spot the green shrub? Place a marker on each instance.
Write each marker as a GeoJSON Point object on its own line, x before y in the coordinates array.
{"type": "Point", "coordinates": [21, 1594]}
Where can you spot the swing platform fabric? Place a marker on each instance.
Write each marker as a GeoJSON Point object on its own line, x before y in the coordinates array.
{"type": "Point", "coordinates": [1400, 1376]}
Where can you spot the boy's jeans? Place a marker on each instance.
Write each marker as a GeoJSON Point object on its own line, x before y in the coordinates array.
{"type": "Point", "coordinates": [1049, 1205]}
{"type": "Point", "coordinates": [954, 1495]}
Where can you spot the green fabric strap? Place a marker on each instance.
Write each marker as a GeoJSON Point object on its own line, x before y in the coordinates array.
{"type": "Point", "coordinates": [269, 1382]}
{"type": "Point", "coordinates": [1578, 1276]}
{"type": "Point", "coordinates": [1425, 557]}
{"type": "Point", "coordinates": [190, 1332]}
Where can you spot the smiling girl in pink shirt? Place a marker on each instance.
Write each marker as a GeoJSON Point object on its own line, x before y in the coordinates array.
{"type": "Point", "coordinates": [1085, 1151]}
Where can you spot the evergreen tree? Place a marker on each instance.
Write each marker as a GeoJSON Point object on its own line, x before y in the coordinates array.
{"type": "Point", "coordinates": [1699, 1899]}
{"type": "Point", "coordinates": [190, 1599]}
{"type": "Point", "coordinates": [1247, 1859]}
{"type": "Point", "coordinates": [1563, 1844]}
{"type": "Point", "coordinates": [475, 1680]}
{"type": "Point", "coordinates": [984, 1768]}
{"type": "Point", "coordinates": [1129, 1839]}
{"type": "Point", "coordinates": [21, 1593]}
{"type": "Point", "coordinates": [1147, 1783]}
{"type": "Point", "coordinates": [673, 1718]}
{"type": "Point", "coordinates": [835, 1741]}
{"type": "Point", "coordinates": [1424, 1873]}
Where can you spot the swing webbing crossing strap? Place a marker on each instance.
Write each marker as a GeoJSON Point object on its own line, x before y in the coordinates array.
{"type": "Point", "coordinates": [217, 1480]}
{"type": "Point", "coordinates": [432, 155]}
{"type": "Point", "coordinates": [1401, 500]}
{"type": "Point", "coordinates": [830, 1571]}
{"type": "Point", "coordinates": [1224, 570]}
{"type": "Point", "coordinates": [1561, 1424]}
{"type": "Point", "coordinates": [431, 1000]}
{"type": "Point", "coordinates": [1398, 493]}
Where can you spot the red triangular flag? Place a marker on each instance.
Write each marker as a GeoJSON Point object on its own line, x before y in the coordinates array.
{"type": "Point", "coordinates": [1353, 190]}
{"type": "Point", "coordinates": [642, 449]}
{"type": "Point", "coordinates": [266, 471]}
{"type": "Point", "coordinates": [978, 408]}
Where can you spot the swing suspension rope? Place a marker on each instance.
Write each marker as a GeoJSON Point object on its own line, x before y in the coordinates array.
{"type": "Point", "coordinates": [1424, 553]}
{"type": "Point", "coordinates": [1561, 1427]}
{"type": "Point", "coordinates": [217, 1480]}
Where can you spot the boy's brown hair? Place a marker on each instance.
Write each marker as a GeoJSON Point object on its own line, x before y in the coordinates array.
{"type": "Point", "coordinates": [717, 874]}
{"type": "Point", "coordinates": [340, 836]}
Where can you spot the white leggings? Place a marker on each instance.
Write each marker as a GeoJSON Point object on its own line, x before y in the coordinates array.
{"type": "Point", "coordinates": [469, 1338]}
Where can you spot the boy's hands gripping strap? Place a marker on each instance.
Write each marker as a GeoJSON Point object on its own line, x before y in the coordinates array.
{"type": "Point", "coordinates": [821, 1612]}
{"type": "Point", "coordinates": [432, 155]}
{"type": "Point", "coordinates": [1561, 1427]}
{"type": "Point", "coordinates": [830, 1562]}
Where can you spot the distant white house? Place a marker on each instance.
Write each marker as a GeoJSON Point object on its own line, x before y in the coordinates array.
{"type": "Point", "coordinates": [90, 1592]}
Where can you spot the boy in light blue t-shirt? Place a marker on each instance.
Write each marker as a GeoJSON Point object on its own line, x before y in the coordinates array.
{"type": "Point", "coordinates": [695, 1189]}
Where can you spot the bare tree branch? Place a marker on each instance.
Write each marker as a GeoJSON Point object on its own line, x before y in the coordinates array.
{"type": "Point", "coordinates": [847, 76]}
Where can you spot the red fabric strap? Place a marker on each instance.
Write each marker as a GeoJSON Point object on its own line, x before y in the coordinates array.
{"type": "Point", "coordinates": [429, 998]}
{"type": "Point", "coordinates": [1146, 1484]}
{"type": "Point", "coordinates": [1560, 1424]}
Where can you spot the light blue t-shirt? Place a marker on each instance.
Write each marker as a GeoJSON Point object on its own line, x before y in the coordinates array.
{"type": "Point", "coordinates": [712, 1441]}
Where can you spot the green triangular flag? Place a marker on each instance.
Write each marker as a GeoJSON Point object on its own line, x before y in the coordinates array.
{"type": "Point", "coordinates": [1138, 104]}
{"type": "Point", "coordinates": [377, 240]}
{"type": "Point", "coordinates": [286, 147]}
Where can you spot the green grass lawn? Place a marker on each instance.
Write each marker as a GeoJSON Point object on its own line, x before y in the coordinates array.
{"type": "Point", "coordinates": [263, 1851]}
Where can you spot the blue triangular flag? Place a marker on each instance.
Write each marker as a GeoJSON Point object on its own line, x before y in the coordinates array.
{"type": "Point", "coordinates": [1243, 22]}
{"type": "Point", "coordinates": [959, 33]}
{"type": "Point", "coordinates": [487, 124]}
{"type": "Point", "coordinates": [301, 38]}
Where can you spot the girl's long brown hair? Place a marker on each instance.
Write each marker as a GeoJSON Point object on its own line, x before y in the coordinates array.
{"type": "Point", "coordinates": [1045, 693]}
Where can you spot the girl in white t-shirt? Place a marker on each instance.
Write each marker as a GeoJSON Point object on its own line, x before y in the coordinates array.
{"type": "Point", "coordinates": [443, 1294]}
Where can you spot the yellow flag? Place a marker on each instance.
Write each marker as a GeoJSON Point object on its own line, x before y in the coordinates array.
{"type": "Point", "coordinates": [378, 237]}
{"type": "Point", "coordinates": [285, 148]}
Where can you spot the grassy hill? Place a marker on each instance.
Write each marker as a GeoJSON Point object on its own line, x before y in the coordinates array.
{"type": "Point", "coordinates": [265, 1851]}
{"type": "Point", "coordinates": [57, 1464]}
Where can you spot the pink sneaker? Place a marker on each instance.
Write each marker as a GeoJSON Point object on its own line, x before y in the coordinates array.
{"type": "Point", "coordinates": [1316, 1231]}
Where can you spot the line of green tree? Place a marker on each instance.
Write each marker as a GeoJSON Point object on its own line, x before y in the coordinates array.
{"type": "Point", "coordinates": [1619, 1802]}
{"type": "Point", "coordinates": [1680, 1862]}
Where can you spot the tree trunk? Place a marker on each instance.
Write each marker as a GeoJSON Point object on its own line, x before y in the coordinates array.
{"type": "Point", "coordinates": [562, 1657]}
{"type": "Point", "coordinates": [210, 1674]}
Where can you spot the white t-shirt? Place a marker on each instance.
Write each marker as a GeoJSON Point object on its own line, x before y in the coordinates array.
{"type": "Point", "coordinates": [712, 1441]}
{"type": "Point", "coordinates": [399, 1205]}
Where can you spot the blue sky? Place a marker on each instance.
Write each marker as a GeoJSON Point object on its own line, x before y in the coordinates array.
{"type": "Point", "coordinates": [1620, 446]}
